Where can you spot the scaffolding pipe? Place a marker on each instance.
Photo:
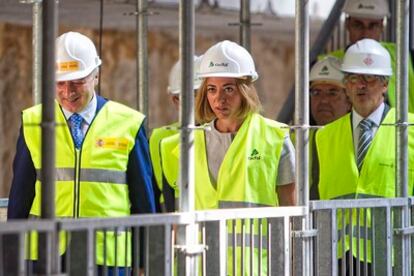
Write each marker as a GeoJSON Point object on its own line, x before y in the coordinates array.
{"type": "Point", "coordinates": [142, 58]}
{"type": "Point", "coordinates": [285, 115]}
{"type": "Point", "coordinates": [401, 147]}
{"type": "Point", "coordinates": [411, 28]}
{"type": "Point", "coordinates": [302, 117]}
{"type": "Point", "coordinates": [49, 30]}
{"type": "Point", "coordinates": [48, 109]}
{"type": "Point", "coordinates": [245, 24]}
{"type": "Point", "coordinates": [392, 22]}
{"type": "Point", "coordinates": [187, 236]}
{"type": "Point", "coordinates": [37, 50]}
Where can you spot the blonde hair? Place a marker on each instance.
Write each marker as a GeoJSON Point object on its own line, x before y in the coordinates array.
{"type": "Point", "coordinates": [249, 101]}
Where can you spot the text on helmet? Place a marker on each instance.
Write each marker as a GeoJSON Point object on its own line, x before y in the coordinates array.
{"type": "Point", "coordinates": [67, 66]}
{"type": "Point", "coordinates": [223, 64]}
{"type": "Point", "coordinates": [366, 7]}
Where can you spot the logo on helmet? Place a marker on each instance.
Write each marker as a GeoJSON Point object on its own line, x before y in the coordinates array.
{"type": "Point", "coordinates": [223, 64]}
{"type": "Point", "coordinates": [324, 71]}
{"type": "Point", "coordinates": [366, 7]}
{"type": "Point", "coordinates": [368, 60]}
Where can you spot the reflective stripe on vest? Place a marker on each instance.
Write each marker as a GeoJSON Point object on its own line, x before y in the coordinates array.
{"type": "Point", "coordinates": [89, 175]}
{"type": "Point", "coordinates": [91, 182]}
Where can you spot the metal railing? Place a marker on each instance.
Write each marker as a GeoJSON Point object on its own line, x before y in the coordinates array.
{"type": "Point", "coordinates": [372, 224]}
{"type": "Point", "coordinates": [267, 230]}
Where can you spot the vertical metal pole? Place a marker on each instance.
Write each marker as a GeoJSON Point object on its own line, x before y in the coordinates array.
{"type": "Point", "coordinates": [37, 50]}
{"type": "Point", "coordinates": [392, 21]}
{"type": "Point", "coordinates": [188, 236]}
{"type": "Point", "coordinates": [142, 58]}
{"type": "Point", "coordinates": [245, 34]}
{"type": "Point", "coordinates": [401, 155]}
{"type": "Point", "coordinates": [411, 27]}
{"type": "Point", "coordinates": [285, 114]}
{"type": "Point", "coordinates": [49, 28]}
{"type": "Point", "coordinates": [302, 118]}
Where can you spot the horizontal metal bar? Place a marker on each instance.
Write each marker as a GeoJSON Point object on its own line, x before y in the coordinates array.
{"type": "Point", "coordinates": [404, 231]}
{"type": "Point", "coordinates": [21, 226]}
{"type": "Point", "coordinates": [357, 203]}
{"type": "Point", "coordinates": [243, 213]}
{"type": "Point", "coordinates": [304, 126]}
{"type": "Point", "coordinates": [181, 218]}
{"type": "Point", "coordinates": [305, 234]}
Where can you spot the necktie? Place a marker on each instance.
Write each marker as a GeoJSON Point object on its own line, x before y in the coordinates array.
{"type": "Point", "coordinates": [365, 138]}
{"type": "Point", "coordinates": [76, 128]}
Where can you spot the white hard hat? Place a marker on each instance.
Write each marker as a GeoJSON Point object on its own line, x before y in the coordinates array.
{"type": "Point", "coordinates": [227, 59]}
{"type": "Point", "coordinates": [367, 56]}
{"type": "Point", "coordinates": [376, 9]}
{"type": "Point", "coordinates": [327, 70]}
{"type": "Point", "coordinates": [174, 80]}
{"type": "Point", "coordinates": [76, 56]}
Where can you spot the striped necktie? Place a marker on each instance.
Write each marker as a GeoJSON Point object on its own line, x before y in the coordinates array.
{"type": "Point", "coordinates": [365, 138]}
{"type": "Point", "coordinates": [76, 128]}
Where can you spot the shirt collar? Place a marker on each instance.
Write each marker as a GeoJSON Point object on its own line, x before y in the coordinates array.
{"type": "Point", "coordinates": [374, 117]}
{"type": "Point", "coordinates": [88, 113]}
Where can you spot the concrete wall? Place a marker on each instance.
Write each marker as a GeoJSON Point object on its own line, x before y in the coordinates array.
{"type": "Point", "coordinates": [274, 61]}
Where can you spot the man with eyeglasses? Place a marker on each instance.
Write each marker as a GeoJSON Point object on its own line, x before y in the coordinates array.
{"type": "Point", "coordinates": [327, 91]}
{"type": "Point", "coordinates": [328, 102]}
{"type": "Point", "coordinates": [357, 152]}
{"type": "Point", "coordinates": [103, 166]}
{"type": "Point", "coordinates": [365, 19]}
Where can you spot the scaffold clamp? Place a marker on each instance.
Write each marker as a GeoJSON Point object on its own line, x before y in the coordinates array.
{"type": "Point", "coordinates": [191, 249]}
{"type": "Point", "coordinates": [303, 234]}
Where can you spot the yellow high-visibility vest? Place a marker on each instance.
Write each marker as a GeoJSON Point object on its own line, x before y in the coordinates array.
{"type": "Point", "coordinates": [339, 177]}
{"type": "Point", "coordinates": [90, 182]}
{"type": "Point", "coordinates": [157, 135]}
{"type": "Point", "coordinates": [247, 178]}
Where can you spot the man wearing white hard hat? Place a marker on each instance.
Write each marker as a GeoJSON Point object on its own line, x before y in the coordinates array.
{"type": "Point", "coordinates": [102, 159]}
{"type": "Point", "coordinates": [328, 102]}
{"type": "Point", "coordinates": [357, 152]}
{"type": "Point", "coordinates": [159, 134]}
{"type": "Point", "coordinates": [241, 158]}
{"type": "Point", "coordinates": [327, 91]}
{"type": "Point", "coordinates": [365, 19]}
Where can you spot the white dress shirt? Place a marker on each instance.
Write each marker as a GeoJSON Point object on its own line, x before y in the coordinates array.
{"type": "Point", "coordinates": [88, 113]}
{"type": "Point", "coordinates": [374, 117]}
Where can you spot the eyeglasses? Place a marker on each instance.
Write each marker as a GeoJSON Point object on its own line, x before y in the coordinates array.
{"type": "Point", "coordinates": [368, 79]}
{"type": "Point", "coordinates": [330, 93]}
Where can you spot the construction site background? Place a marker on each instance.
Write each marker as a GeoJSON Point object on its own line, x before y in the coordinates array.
{"type": "Point", "coordinates": [273, 53]}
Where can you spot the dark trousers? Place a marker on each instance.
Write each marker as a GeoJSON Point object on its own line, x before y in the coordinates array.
{"type": "Point", "coordinates": [364, 268]}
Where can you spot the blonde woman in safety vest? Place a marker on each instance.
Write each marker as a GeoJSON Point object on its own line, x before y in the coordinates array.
{"type": "Point", "coordinates": [158, 134]}
{"type": "Point", "coordinates": [102, 160]}
{"type": "Point", "coordinates": [244, 160]}
{"type": "Point", "coordinates": [357, 152]}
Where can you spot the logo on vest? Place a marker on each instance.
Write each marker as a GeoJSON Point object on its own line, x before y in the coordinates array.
{"type": "Point", "coordinates": [112, 143]}
{"type": "Point", "coordinates": [255, 155]}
